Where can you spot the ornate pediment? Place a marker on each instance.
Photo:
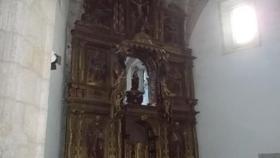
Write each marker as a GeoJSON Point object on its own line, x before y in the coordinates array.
{"type": "Point", "coordinates": [168, 22]}
{"type": "Point", "coordinates": [143, 37]}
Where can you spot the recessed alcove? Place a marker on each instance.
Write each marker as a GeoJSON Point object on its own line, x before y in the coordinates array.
{"type": "Point", "coordinates": [137, 76]}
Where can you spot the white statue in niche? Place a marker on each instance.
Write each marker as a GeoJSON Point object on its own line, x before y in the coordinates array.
{"type": "Point", "coordinates": [136, 66]}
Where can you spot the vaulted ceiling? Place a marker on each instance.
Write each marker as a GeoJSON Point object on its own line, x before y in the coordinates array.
{"type": "Point", "coordinates": [193, 8]}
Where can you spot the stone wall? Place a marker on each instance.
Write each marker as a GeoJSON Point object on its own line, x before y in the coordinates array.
{"type": "Point", "coordinates": [26, 35]}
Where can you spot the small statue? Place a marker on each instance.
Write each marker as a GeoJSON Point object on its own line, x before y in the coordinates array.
{"type": "Point", "coordinates": [134, 96]}
{"type": "Point", "coordinates": [135, 81]}
{"type": "Point", "coordinates": [165, 90]}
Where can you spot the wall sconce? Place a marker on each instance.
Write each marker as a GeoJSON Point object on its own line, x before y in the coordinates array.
{"type": "Point", "coordinates": [55, 59]}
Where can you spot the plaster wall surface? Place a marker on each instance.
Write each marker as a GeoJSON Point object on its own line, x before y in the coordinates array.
{"type": "Point", "coordinates": [238, 92]}
{"type": "Point", "coordinates": [56, 104]}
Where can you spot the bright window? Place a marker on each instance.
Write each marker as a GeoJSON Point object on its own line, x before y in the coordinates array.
{"type": "Point", "coordinates": [240, 24]}
{"type": "Point", "coordinates": [244, 24]}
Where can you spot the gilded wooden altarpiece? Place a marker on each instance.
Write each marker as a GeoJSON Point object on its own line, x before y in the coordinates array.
{"type": "Point", "coordinates": [104, 119]}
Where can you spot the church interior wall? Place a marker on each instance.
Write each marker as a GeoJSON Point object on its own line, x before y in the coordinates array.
{"type": "Point", "coordinates": [238, 92]}
{"type": "Point", "coordinates": [56, 102]}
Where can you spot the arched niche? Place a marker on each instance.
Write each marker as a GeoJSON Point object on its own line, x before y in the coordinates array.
{"type": "Point", "coordinates": [143, 54]}
{"type": "Point", "coordinates": [136, 68]}
{"type": "Point", "coordinates": [141, 141]}
{"type": "Point", "coordinates": [140, 63]}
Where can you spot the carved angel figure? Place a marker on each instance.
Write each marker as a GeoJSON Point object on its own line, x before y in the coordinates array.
{"type": "Point", "coordinates": [117, 94]}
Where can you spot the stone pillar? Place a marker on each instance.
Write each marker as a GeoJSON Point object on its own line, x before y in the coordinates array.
{"type": "Point", "coordinates": [26, 34]}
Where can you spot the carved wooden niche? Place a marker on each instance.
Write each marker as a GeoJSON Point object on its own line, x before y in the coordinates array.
{"type": "Point", "coordinates": [174, 21]}
{"type": "Point", "coordinates": [137, 84]}
{"type": "Point", "coordinates": [145, 126]}
{"type": "Point", "coordinates": [99, 12]}
{"type": "Point", "coordinates": [87, 135]}
{"type": "Point", "coordinates": [176, 79]}
{"type": "Point", "coordinates": [96, 67]}
{"type": "Point", "coordinates": [141, 18]}
{"type": "Point", "coordinates": [145, 73]}
{"type": "Point", "coordinates": [90, 71]}
{"type": "Point", "coordinates": [182, 141]}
